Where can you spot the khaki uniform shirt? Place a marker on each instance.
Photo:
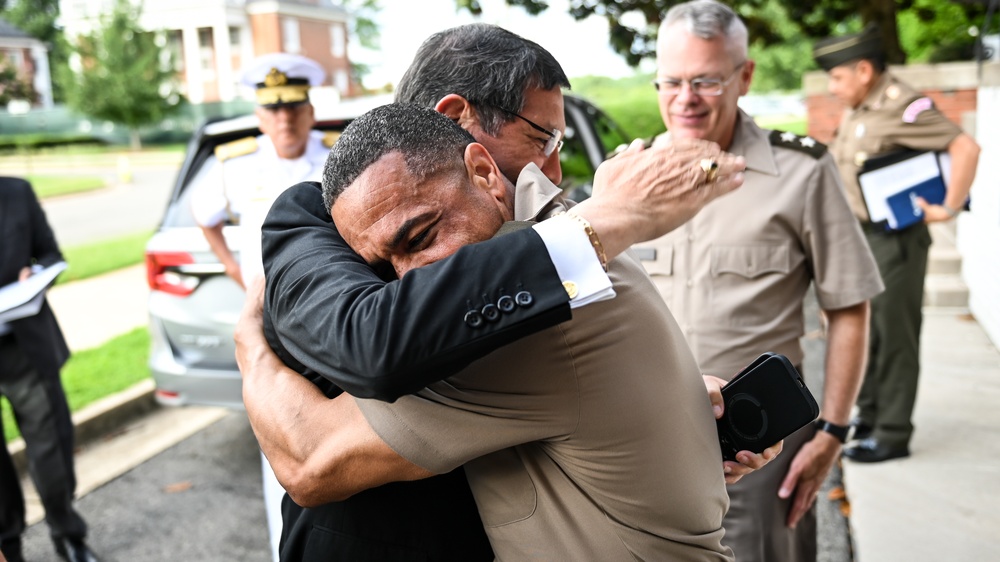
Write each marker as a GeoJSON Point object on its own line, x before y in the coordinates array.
{"type": "Point", "coordinates": [243, 189]}
{"type": "Point", "coordinates": [736, 274]}
{"type": "Point", "coordinates": [892, 117]}
{"type": "Point", "coordinates": [593, 440]}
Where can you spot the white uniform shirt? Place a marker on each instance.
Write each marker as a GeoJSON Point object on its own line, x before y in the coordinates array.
{"type": "Point", "coordinates": [246, 186]}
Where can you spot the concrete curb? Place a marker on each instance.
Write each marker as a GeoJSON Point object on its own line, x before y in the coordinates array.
{"type": "Point", "coordinates": [97, 420]}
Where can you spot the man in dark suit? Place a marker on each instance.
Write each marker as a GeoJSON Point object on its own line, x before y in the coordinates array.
{"type": "Point", "coordinates": [335, 319]}
{"type": "Point", "coordinates": [32, 350]}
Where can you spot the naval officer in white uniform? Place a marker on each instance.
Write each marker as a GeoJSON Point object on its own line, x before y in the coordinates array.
{"type": "Point", "coordinates": [250, 174]}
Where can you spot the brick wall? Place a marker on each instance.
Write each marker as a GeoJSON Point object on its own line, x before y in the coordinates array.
{"type": "Point", "coordinates": [266, 32]}
{"type": "Point", "coordinates": [316, 44]}
{"type": "Point", "coordinates": [952, 86]}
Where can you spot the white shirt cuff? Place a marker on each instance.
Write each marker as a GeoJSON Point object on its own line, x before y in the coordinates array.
{"type": "Point", "coordinates": [575, 260]}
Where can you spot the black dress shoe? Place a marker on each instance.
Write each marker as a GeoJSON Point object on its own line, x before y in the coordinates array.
{"type": "Point", "coordinates": [870, 450]}
{"type": "Point", "coordinates": [11, 550]}
{"type": "Point", "coordinates": [862, 430]}
{"type": "Point", "coordinates": [74, 550]}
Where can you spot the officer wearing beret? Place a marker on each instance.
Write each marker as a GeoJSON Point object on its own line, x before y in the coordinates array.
{"type": "Point", "coordinates": [251, 172]}
{"type": "Point", "coordinates": [884, 115]}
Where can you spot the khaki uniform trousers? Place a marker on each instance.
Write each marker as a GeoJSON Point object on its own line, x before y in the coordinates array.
{"type": "Point", "coordinates": [889, 390]}
{"type": "Point", "coordinates": [755, 511]}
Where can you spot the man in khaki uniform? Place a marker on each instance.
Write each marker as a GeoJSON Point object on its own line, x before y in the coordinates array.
{"type": "Point", "coordinates": [591, 440]}
{"type": "Point", "coordinates": [885, 115]}
{"type": "Point", "coordinates": [736, 275]}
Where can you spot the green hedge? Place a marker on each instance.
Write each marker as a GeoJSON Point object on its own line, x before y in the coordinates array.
{"type": "Point", "coordinates": [35, 141]}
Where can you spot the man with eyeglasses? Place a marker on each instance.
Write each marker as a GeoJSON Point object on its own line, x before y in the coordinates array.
{"type": "Point", "coordinates": [331, 318]}
{"type": "Point", "coordinates": [735, 275]}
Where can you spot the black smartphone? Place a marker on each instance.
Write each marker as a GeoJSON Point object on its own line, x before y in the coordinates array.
{"type": "Point", "coordinates": [766, 402]}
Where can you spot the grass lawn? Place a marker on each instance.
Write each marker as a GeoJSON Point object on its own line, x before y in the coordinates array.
{"type": "Point", "coordinates": [791, 123]}
{"type": "Point", "coordinates": [51, 186]}
{"type": "Point", "coordinates": [95, 258]}
{"type": "Point", "coordinates": [95, 373]}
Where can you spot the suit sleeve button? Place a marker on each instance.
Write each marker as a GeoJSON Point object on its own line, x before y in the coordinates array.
{"type": "Point", "coordinates": [524, 299]}
{"type": "Point", "coordinates": [506, 304]}
{"type": "Point", "coordinates": [491, 313]}
{"type": "Point", "coordinates": [473, 319]}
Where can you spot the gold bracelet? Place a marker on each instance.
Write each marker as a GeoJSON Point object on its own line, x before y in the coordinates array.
{"type": "Point", "coordinates": [592, 235]}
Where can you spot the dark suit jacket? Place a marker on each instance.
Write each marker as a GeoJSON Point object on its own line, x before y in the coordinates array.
{"type": "Point", "coordinates": [28, 239]}
{"type": "Point", "coordinates": [330, 316]}
{"type": "Point", "coordinates": [328, 312]}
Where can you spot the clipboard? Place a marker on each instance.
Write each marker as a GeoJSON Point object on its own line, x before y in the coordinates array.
{"type": "Point", "coordinates": [891, 183]}
{"type": "Point", "coordinates": [22, 299]}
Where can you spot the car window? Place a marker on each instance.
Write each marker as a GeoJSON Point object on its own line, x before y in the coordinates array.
{"type": "Point", "coordinates": [590, 137]}
{"type": "Point", "coordinates": [179, 212]}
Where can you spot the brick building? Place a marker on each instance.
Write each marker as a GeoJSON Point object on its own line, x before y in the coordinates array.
{"type": "Point", "coordinates": [211, 40]}
{"type": "Point", "coordinates": [30, 58]}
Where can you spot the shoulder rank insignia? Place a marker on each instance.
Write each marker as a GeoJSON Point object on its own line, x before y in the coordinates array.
{"type": "Point", "coordinates": [330, 137]}
{"type": "Point", "coordinates": [792, 141]}
{"type": "Point", "coordinates": [239, 147]}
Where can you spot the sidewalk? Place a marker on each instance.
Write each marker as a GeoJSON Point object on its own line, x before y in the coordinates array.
{"type": "Point", "coordinates": [92, 311]}
{"type": "Point", "coordinates": [938, 504]}
{"type": "Point", "coordinates": [935, 505]}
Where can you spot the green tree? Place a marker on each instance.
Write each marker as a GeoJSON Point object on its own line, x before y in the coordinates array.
{"type": "Point", "coordinates": [364, 28]}
{"type": "Point", "coordinates": [38, 19]}
{"type": "Point", "coordinates": [125, 75]}
{"type": "Point", "coordinates": [12, 86]}
{"type": "Point", "coordinates": [813, 19]}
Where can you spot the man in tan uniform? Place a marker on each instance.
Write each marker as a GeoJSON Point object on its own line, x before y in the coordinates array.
{"type": "Point", "coordinates": [735, 276]}
{"type": "Point", "coordinates": [883, 116]}
{"type": "Point", "coordinates": [588, 441]}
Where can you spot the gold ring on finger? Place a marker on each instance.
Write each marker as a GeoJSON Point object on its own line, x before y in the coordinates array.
{"type": "Point", "coordinates": [711, 169]}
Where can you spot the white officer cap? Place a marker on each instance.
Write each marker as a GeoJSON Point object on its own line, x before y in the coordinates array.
{"type": "Point", "coordinates": [282, 78]}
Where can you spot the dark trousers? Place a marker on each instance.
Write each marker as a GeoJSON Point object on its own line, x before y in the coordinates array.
{"type": "Point", "coordinates": [430, 520]}
{"type": "Point", "coordinates": [889, 390]}
{"type": "Point", "coordinates": [44, 420]}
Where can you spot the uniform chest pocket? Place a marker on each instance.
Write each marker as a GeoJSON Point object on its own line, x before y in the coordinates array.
{"type": "Point", "coordinates": [750, 261]}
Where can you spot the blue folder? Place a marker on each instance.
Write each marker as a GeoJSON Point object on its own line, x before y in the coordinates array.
{"type": "Point", "coordinates": [890, 184]}
{"type": "Point", "coordinates": [904, 204]}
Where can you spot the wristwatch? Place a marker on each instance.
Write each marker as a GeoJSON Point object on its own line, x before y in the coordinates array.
{"type": "Point", "coordinates": [838, 431]}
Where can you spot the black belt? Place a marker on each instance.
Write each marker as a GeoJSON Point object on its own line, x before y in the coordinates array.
{"type": "Point", "coordinates": [876, 227]}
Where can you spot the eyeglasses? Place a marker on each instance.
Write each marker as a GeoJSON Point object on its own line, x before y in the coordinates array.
{"type": "Point", "coordinates": [700, 86]}
{"type": "Point", "coordinates": [555, 136]}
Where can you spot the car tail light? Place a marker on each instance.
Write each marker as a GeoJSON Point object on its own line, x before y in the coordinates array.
{"type": "Point", "coordinates": [164, 272]}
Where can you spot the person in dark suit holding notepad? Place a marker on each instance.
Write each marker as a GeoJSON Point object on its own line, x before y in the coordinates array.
{"type": "Point", "coordinates": [885, 117]}
{"type": "Point", "coordinates": [32, 350]}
